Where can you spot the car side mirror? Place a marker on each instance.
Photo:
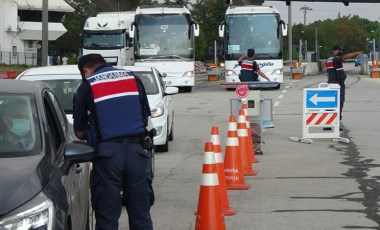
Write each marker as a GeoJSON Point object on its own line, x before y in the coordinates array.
{"type": "Point", "coordinates": [171, 90]}
{"type": "Point", "coordinates": [77, 152]}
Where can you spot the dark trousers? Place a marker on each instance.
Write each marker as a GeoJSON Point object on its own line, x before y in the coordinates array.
{"type": "Point", "coordinates": [122, 167]}
{"type": "Point", "coordinates": [342, 94]}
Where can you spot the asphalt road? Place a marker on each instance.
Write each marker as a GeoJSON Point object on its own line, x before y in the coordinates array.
{"type": "Point", "coordinates": [323, 185]}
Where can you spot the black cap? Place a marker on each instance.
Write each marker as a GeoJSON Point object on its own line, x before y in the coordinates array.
{"type": "Point", "coordinates": [250, 51]}
{"type": "Point", "coordinates": [337, 47]}
{"type": "Point", "coordinates": [86, 58]}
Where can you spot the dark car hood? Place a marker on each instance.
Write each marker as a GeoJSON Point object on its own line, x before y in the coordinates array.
{"type": "Point", "coordinates": [20, 181]}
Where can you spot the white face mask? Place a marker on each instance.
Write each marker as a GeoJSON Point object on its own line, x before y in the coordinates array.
{"type": "Point", "coordinates": [20, 127]}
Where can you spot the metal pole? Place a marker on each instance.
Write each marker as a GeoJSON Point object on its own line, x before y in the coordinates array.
{"type": "Point", "coordinates": [215, 51]}
{"type": "Point", "coordinates": [316, 43]}
{"type": "Point", "coordinates": [300, 52]}
{"type": "Point", "coordinates": [44, 33]}
{"type": "Point", "coordinates": [290, 33]}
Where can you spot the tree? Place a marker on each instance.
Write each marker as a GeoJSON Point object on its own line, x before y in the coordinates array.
{"type": "Point", "coordinates": [70, 42]}
{"type": "Point", "coordinates": [209, 14]}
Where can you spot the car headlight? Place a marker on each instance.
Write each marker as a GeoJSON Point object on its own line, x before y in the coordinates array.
{"type": "Point", "coordinates": [40, 216]}
{"type": "Point", "coordinates": [158, 111]}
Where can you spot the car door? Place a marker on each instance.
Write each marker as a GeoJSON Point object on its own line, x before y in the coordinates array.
{"type": "Point", "coordinates": [76, 183]}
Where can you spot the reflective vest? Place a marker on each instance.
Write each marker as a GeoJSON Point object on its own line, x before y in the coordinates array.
{"type": "Point", "coordinates": [335, 70]}
{"type": "Point", "coordinates": [117, 103]}
{"type": "Point", "coordinates": [248, 70]}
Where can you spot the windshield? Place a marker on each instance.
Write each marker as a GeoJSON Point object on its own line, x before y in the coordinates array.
{"type": "Point", "coordinates": [19, 130]}
{"type": "Point", "coordinates": [258, 31]}
{"type": "Point", "coordinates": [65, 90]}
{"type": "Point", "coordinates": [149, 81]}
{"type": "Point", "coordinates": [100, 40]}
{"type": "Point", "coordinates": [163, 35]}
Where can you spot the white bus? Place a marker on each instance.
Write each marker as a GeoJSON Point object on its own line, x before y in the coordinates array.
{"type": "Point", "coordinates": [108, 34]}
{"type": "Point", "coordinates": [164, 38]}
{"type": "Point", "coordinates": [258, 27]}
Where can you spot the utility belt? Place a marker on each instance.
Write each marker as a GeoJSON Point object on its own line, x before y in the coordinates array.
{"type": "Point", "coordinates": [145, 141]}
{"type": "Point", "coordinates": [132, 140]}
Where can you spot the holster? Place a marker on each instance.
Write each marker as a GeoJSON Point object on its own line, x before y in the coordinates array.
{"type": "Point", "coordinates": [148, 139]}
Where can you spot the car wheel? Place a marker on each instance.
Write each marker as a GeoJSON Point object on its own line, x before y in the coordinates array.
{"type": "Point", "coordinates": [187, 89]}
{"type": "Point", "coordinates": [277, 87]}
{"type": "Point", "coordinates": [171, 135]}
{"type": "Point", "coordinates": [164, 147]}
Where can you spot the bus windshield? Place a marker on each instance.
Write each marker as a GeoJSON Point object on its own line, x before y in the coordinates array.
{"type": "Point", "coordinates": [163, 36]}
{"type": "Point", "coordinates": [101, 40]}
{"type": "Point", "coordinates": [258, 31]}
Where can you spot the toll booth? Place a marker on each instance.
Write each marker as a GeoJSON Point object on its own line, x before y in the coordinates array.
{"type": "Point", "coordinates": [213, 72]}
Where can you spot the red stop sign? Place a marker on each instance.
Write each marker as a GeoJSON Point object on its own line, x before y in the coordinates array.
{"type": "Point", "coordinates": [242, 91]}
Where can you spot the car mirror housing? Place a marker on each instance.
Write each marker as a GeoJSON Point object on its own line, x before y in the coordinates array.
{"type": "Point", "coordinates": [171, 90]}
{"type": "Point", "coordinates": [77, 152]}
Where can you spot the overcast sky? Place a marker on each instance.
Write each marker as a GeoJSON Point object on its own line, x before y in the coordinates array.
{"type": "Point", "coordinates": [322, 10]}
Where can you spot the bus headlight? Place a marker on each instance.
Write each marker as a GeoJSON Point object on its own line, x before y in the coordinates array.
{"type": "Point", "coordinates": [158, 110]}
{"type": "Point", "coordinates": [230, 73]}
{"type": "Point", "coordinates": [40, 216]}
{"type": "Point", "coordinates": [222, 64]}
{"type": "Point", "coordinates": [188, 74]}
{"type": "Point", "coordinates": [277, 72]}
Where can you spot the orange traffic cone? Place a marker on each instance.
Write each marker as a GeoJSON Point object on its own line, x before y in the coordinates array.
{"type": "Point", "coordinates": [233, 168]}
{"type": "Point", "coordinates": [210, 211]}
{"type": "Point", "coordinates": [244, 145]}
{"type": "Point", "coordinates": [250, 142]}
{"type": "Point", "coordinates": [220, 169]}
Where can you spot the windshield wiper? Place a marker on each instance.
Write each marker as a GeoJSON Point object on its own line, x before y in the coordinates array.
{"type": "Point", "coordinates": [165, 57]}
{"type": "Point", "coordinates": [265, 55]}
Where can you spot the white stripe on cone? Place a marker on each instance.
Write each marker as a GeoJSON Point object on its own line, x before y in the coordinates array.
{"type": "Point", "coordinates": [210, 179]}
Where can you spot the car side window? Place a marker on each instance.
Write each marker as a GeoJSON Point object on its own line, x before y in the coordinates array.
{"type": "Point", "coordinates": [56, 123]}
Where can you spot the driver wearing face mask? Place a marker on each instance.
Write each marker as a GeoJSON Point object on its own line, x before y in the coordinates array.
{"type": "Point", "coordinates": [17, 126]}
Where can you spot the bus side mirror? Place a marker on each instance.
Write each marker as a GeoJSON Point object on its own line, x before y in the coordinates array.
{"type": "Point", "coordinates": [221, 30]}
{"type": "Point", "coordinates": [132, 29]}
{"type": "Point", "coordinates": [196, 29]}
{"type": "Point", "coordinates": [284, 28]}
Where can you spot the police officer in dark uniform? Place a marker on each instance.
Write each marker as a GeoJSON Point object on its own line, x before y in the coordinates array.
{"type": "Point", "coordinates": [250, 70]}
{"type": "Point", "coordinates": [336, 74]}
{"type": "Point", "coordinates": [111, 111]}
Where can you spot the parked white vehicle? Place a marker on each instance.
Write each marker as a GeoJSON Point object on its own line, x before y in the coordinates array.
{"type": "Point", "coordinates": [108, 34]}
{"type": "Point", "coordinates": [160, 104]}
{"type": "Point", "coordinates": [164, 37]}
{"type": "Point", "coordinates": [258, 27]}
{"type": "Point", "coordinates": [65, 80]}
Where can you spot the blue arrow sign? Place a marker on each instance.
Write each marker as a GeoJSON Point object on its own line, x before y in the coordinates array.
{"type": "Point", "coordinates": [322, 99]}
